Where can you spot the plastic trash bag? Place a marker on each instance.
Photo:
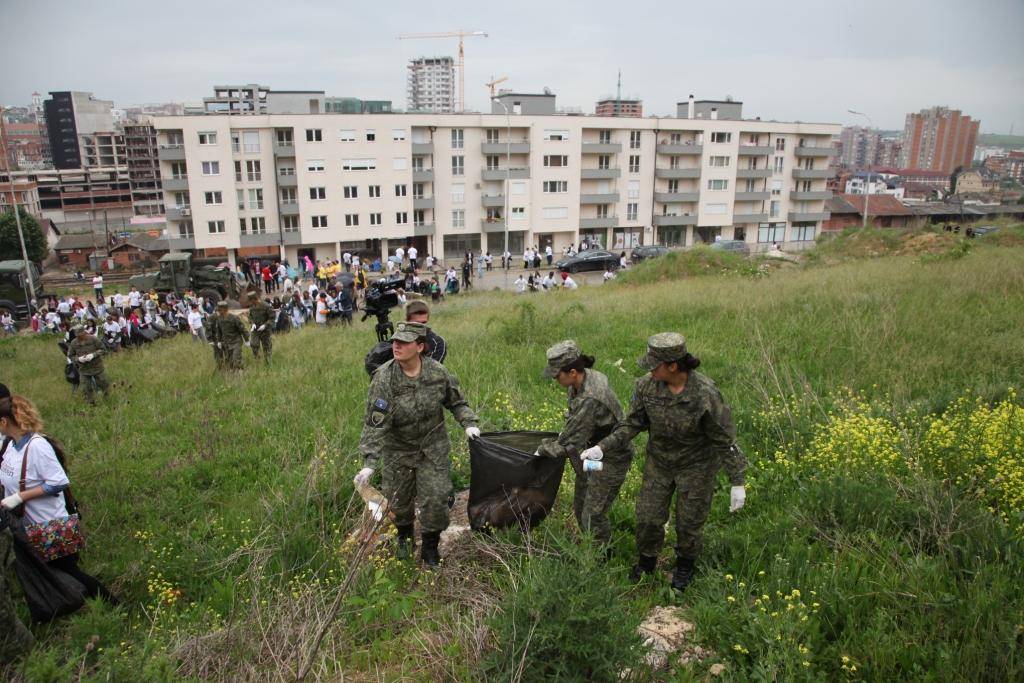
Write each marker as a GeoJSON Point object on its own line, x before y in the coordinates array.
{"type": "Point", "coordinates": [508, 485]}
{"type": "Point", "coordinates": [49, 593]}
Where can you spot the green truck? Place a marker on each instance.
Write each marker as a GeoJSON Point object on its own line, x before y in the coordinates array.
{"type": "Point", "coordinates": [180, 271]}
{"type": "Point", "coordinates": [14, 288]}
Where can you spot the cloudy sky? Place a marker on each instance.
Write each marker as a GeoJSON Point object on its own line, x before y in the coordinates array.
{"type": "Point", "coordinates": [786, 60]}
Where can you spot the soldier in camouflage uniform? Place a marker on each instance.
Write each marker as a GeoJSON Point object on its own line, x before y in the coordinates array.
{"type": "Point", "coordinates": [86, 352]}
{"type": "Point", "coordinates": [691, 436]}
{"type": "Point", "coordinates": [227, 334]}
{"type": "Point", "coordinates": [593, 413]}
{"type": "Point", "coordinates": [404, 431]}
{"type": "Point", "coordinates": [261, 318]}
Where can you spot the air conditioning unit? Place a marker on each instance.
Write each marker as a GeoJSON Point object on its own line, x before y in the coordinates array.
{"type": "Point", "coordinates": [186, 212]}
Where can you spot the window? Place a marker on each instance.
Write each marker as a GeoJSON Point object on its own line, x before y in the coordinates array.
{"type": "Point", "coordinates": [673, 162]}
{"type": "Point", "coordinates": [739, 233]}
{"type": "Point", "coordinates": [211, 168]}
{"type": "Point", "coordinates": [358, 164]}
{"type": "Point", "coordinates": [215, 227]}
{"type": "Point", "coordinates": [778, 165]}
{"type": "Point", "coordinates": [603, 162]}
{"type": "Point", "coordinates": [602, 210]}
{"type": "Point", "coordinates": [399, 163]}
{"type": "Point", "coordinates": [721, 137]}
{"type": "Point", "coordinates": [350, 191]}
{"type": "Point", "coordinates": [675, 138]}
{"type": "Point", "coordinates": [348, 135]}
{"type": "Point", "coordinates": [375, 219]}
{"type": "Point", "coordinates": [212, 198]}
{"type": "Point", "coordinates": [458, 218]}
{"type": "Point", "coordinates": [634, 139]}
{"type": "Point", "coordinates": [555, 212]}
{"type": "Point", "coordinates": [518, 213]}
{"type": "Point", "coordinates": [458, 138]}
{"type": "Point", "coordinates": [556, 134]}
{"type": "Point", "coordinates": [604, 137]}
{"type": "Point", "coordinates": [253, 171]}
{"type": "Point", "coordinates": [398, 134]}
{"type": "Point", "coordinates": [208, 138]}
{"type": "Point", "coordinates": [288, 195]}
{"type": "Point", "coordinates": [178, 170]}
{"type": "Point", "coordinates": [243, 226]}
{"type": "Point", "coordinates": [458, 165]}
{"type": "Point", "coordinates": [555, 160]}
{"type": "Point", "coordinates": [315, 165]}
{"type": "Point", "coordinates": [775, 208]}
{"type": "Point", "coordinates": [374, 191]}
{"type": "Point", "coordinates": [492, 162]}
{"type": "Point", "coordinates": [780, 144]}
{"type": "Point", "coordinates": [419, 218]}
{"type": "Point", "coordinates": [771, 232]}
{"type": "Point", "coordinates": [256, 198]}
{"type": "Point", "coordinates": [673, 186]}
{"type": "Point", "coordinates": [492, 135]}
{"type": "Point", "coordinates": [632, 210]}
{"type": "Point", "coordinates": [314, 135]}
{"type": "Point", "coordinates": [318, 193]}
{"type": "Point", "coordinates": [400, 190]}
{"type": "Point", "coordinates": [284, 137]}
{"type": "Point", "coordinates": [634, 190]}
{"type": "Point", "coordinates": [240, 196]}
{"type": "Point", "coordinates": [417, 190]}
{"type": "Point", "coordinates": [458, 193]}
{"type": "Point", "coordinates": [719, 161]}
{"type": "Point", "coordinates": [251, 141]}
{"type": "Point", "coordinates": [401, 218]}
{"type": "Point", "coordinates": [371, 135]}
{"type": "Point", "coordinates": [715, 209]}
{"type": "Point", "coordinates": [718, 184]}
{"type": "Point", "coordinates": [518, 187]}
{"type": "Point", "coordinates": [319, 221]}
{"type": "Point", "coordinates": [238, 171]}
{"type": "Point", "coordinates": [634, 163]}
{"type": "Point", "coordinates": [776, 188]}
{"type": "Point", "coordinates": [803, 232]}
{"type": "Point", "coordinates": [236, 141]}
{"type": "Point", "coordinates": [258, 225]}
{"type": "Point", "coordinates": [457, 245]}
{"type": "Point", "coordinates": [290, 223]}
{"type": "Point", "coordinates": [181, 199]}
{"type": "Point", "coordinates": [556, 186]}
{"type": "Point", "coordinates": [351, 220]}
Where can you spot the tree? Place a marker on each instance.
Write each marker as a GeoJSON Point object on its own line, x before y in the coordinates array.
{"type": "Point", "coordinates": [35, 240]}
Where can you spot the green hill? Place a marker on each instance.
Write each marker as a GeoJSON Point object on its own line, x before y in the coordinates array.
{"type": "Point", "coordinates": [877, 400]}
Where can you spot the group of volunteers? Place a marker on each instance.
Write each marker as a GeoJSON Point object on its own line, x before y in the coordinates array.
{"type": "Point", "coordinates": [691, 437]}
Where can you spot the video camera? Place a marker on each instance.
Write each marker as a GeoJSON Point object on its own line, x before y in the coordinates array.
{"type": "Point", "coordinates": [381, 297]}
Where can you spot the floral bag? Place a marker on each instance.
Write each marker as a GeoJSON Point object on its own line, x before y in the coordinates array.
{"type": "Point", "coordinates": [58, 537]}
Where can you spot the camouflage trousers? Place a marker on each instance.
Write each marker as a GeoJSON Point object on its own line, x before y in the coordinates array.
{"type": "Point", "coordinates": [229, 357]}
{"type": "Point", "coordinates": [427, 483]}
{"type": "Point", "coordinates": [15, 639]}
{"type": "Point", "coordinates": [693, 487]}
{"type": "Point", "coordinates": [262, 340]}
{"type": "Point", "coordinates": [595, 492]}
{"type": "Point", "coordinates": [90, 384]}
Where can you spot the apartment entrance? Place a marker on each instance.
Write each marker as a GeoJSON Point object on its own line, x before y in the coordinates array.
{"type": "Point", "coordinates": [706, 235]}
{"type": "Point", "coordinates": [626, 238]}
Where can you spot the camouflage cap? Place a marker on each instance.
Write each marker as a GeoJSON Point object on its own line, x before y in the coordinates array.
{"type": "Point", "coordinates": [662, 347]}
{"type": "Point", "coordinates": [223, 303]}
{"type": "Point", "coordinates": [561, 354]}
{"type": "Point", "coordinates": [409, 331]}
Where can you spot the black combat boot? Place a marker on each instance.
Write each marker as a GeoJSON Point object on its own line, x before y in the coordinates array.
{"type": "Point", "coordinates": [683, 575]}
{"type": "Point", "coordinates": [428, 551]}
{"type": "Point", "coordinates": [404, 549]}
{"type": "Point", "coordinates": [644, 565]}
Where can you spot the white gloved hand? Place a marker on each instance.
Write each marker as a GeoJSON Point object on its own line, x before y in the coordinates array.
{"type": "Point", "coordinates": [89, 357]}
{"type": "Point", "coordinates": [592, 453]}
{"type": "Point", "coordinates": [246, 342]}
{"type": "Point", "coordinates": [220, 345]}
{"type": "Point", "coordinates": [363, 477]}
{"type": "Point", "coordinates": [473, 432]}
{"type": "Point", "coordinates": [212, 343]}
{"type": "Point", "coordinates": [737, 497]}
{"type": "Point", "coordinates": [262, 327]}
{"type": "Point", "coordinates": [253, 329]}
{"type": "Point", "coordinates": [12, 501]}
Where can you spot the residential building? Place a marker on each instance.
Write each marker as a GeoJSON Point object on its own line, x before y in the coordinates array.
{"type": "Point", "coordinates": [260, 99]}
{"type": "Point", "coordinates": [7, 158]}
{"type": "Point", "coordinates": [76, 198]}
{"type": "Point", "coordinates": [70, 115]}
{"type": "Point", "coordinates": [102, 148]}
{"type": "Point", "coordinates": [354, 105]}
{"type": "Point", "coordinates": [1009, 165]}
{"type": "Point", "coordinates": [727, 109]}
{"type": "Point", "coordinates": [864, 147]}
{"type": "Point", "coordinates": [847, 210]}
{"type": "Point", "coordinates": [938, 139]}
{"type": "Point", "coordinates": [610, 106]}
{"type": "Point", "coordinates": [143, 169]}
{"type": "Point", "coordinates": [889, 151]}
{"type": "Point", "coordinates": [530, 104]}
{"type": "Point", "coordinates": [431, 85]}
{"type": "Point", "coordinates": [873, 183]}
{"type": "Point", "coordinates": [22, 192]}
{"type": "Point", "coordinates": [973, 181]}
{"type": "Point", "coordinates": [26, 145]}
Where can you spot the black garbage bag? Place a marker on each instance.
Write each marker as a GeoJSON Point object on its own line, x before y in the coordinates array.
{"type": "Point", "coordinates": [508, 484]}
{"type": "Point", "coordinates": [50, 593]}
{"type": "Point", "coordinates": [71, 374]}
{"type": "Point", "coordinates": [380, 354]}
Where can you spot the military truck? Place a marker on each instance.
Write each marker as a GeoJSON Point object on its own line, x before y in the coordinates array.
{"type": "Point", "coordinates": [180, 271]}
{"type": "Point", "coordinates": [13, 288]}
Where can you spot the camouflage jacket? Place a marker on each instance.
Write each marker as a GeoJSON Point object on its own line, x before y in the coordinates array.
{"type": "Point", "coordinates": [83, 345]}
{"type": "Point", "coordinates": [228, 330]}
{"type": "Point", "coordinates": [405, 416]}
{"type": "Point", "coordinates": [687, 428]}
{"type": "Point", "coordinates": [261, 314]}
{"type": "Point", "coordinates": [593, 413]}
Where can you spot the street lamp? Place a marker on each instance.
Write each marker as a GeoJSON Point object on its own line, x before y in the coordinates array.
{"type": "Point", "coordinates": [508, 183]}
{"type": "Point", "coordinates": [867, 188]}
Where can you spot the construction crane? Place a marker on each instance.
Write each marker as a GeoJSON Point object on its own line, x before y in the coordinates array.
{"type": "Point", "coordinates": [493, 82]}
{"type": "Point", "coordinates": [460, 34]}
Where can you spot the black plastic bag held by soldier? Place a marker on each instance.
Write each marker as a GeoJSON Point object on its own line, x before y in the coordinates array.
{"type": "Point", "coordinates": [508, 484]}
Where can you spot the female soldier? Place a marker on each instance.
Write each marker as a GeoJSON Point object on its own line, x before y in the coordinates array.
{"type": "Point", "coordinates": [592, 415]}
{"type": "Point", "coordinates": [691, 437]}
{"type": "Point", "coordinates": [405, 429]}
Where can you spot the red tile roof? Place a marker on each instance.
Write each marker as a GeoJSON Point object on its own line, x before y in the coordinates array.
{"type": "Point", "coordinates": [878, 204]}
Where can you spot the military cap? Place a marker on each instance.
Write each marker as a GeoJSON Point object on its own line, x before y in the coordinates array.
{"type": "Point", "coordinates": [561, 354]}
{"type": "Point", "coordinates": [409, 331]}
{"type": "Point", "coordinates": [662, 347]}
{"type": "Point", "coordinates": [223, 303]}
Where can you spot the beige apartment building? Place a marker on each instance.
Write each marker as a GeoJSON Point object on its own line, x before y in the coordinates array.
{"type": "Point", "coordinates": [321, 184]}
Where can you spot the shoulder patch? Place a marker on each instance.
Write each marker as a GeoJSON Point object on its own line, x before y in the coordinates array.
{"type": "Point", "coordinates": [381, 405]}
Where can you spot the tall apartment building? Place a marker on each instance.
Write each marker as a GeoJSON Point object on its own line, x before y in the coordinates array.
{"type": "Point", "coordinates": [102, 148]}
{"type": "Point", "coordinates": [322, 184]}
{"type": "Point", "coordinates": [432, 85]}
{"type": "Point", "coordinates": [260, 99]}
{"type": "Point", "coordinates": [611, 106]}
{"type": "Point", "coordinates": [70, 115]}
{"type": "Point", "coordinates": [938, 139]}
{"type": "Point", "coordinates": [143, 169]}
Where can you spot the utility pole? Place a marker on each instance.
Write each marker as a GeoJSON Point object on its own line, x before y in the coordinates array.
{"type": "Point", "coordinates": [867, 186]}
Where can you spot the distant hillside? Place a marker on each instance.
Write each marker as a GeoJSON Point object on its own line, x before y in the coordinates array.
{"type": "Point", "coordinates": [996, 140]}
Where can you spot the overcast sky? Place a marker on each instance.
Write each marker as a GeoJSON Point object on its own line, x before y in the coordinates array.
{"type": "Point", "coordinates": [785, 60]}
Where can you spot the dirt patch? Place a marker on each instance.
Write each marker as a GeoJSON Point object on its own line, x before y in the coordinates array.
{"type": "Point", "coordinates": [925, 243]}
{"type": "Point", "coordinates": [668, 636]}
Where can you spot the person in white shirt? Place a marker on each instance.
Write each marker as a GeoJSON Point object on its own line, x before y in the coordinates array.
{"type": "Point", "coordinates": [622, 260]}
{"type": "Point", "coordinates": [288, 285]}
{"type": "Point", "coordinates": [400, 255]}
{"type": "Point", "coordinates": [356, 262]}
{"type": "Point", "coordinates": [313, 289]}
{"type": "Point", "coordinates": [195, 324]}
{"type": "Point", "coordinates": [321, 309]}
{"type": "Point", "coordinates": [118, 301]}
{"type": "Point", "coordinates": [7, 322]}
{"type": "Point", "coordinates": [520, 284]}
{"type": "Point", "coordinates": [64, 307]}
{"type": "Point", "coordinates": [609, 274]}
{"type": "Point", "coordinates": [527, 258]}
{"type": "Point", "coordinates": [97, 286]}
{"type": "Point", "coordinates": [549, 252]}
{"type": "Point", "coordinates": [346, 260]}
{"type": "Point", "coordinates": [569, 283]}
{"type": "Point", "coordinates": [134, 298]}
{"type": "Point", "coordinates": [412, 254]}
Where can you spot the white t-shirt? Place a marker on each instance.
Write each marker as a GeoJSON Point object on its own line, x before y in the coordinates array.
{"type": "Point", "coordinates": [42, 468]}
{"type": "Point", "coordinates": [119, 300]}
{"type": "Point", "coordinates": [346, 258]}
{"type": "Point", "coordinates": [64, 306]}
{"type": "Point", "coordinates": [111, 328]}
{"type": "Point", "coordinates": [622, 262]}
{"type": "Point", "coordinates": [400, 253]}
{"type": "Point", "coordinates": [520, 284]}
{"type": "Point", "coordinates": [569, 283]}
{"type": "Point", "coordinates": [412, 252]}
{"type": "Point", "coordinates": [134, 299]}
{"type": "Point", "coordinates": [195, 320]}
{"type": "Point", "coordinates": [548, 251]}
{"type": "Point", "coordinates": [609, 275]}
{"type": "Point", "coordinates": [97, 282]}
{"type": "Point", "coordinates": [321, 311]}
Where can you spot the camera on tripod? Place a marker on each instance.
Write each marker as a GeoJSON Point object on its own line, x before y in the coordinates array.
{"type": "Point", "coordinates": [381, 297]}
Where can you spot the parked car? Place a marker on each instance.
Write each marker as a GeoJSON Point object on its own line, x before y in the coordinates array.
{"type": "Point", "coordinates": [982, 230]}
{"type": "Point", "coordinates": [592, 259]}
{"type": "Point", "coordinates": [648, 251]}
{"type": "Point", "coordinates": [738, 246]}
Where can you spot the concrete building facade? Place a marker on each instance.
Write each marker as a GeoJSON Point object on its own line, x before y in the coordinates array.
{"type": "Point", "coordinates": [611, 106]}
{"type": "Point", "coordinates": [260, 99]}
{"type": "Point", "coordinates": [431, 85]}
{"type": "Point", "coordinates": [70, 115]}
{"type": "Point", "coordinates": [324, 184]}
{"type": "Point", "coordinates": [143, 169]}
{"type": "Point", "coordinates": [938, 139]}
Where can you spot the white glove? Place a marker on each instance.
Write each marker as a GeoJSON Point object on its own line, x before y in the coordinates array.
{"type": "Point", "coordinates": [592, 453]}
{"type": "Point", "coordinates": [246, 342]}
{"type": "Point", "coordinates": [211, 343]}
{"type": "Point", "coordinates": [12, 501]}
{"type": "Point", "coordinates": [220, 345]}
{"type": "Point", "coordinates": [737, 497]}
{"type": "Point", "coordinates": [363, 477]}
{"type": "Point", "coordinates": [262, 327]}
{"type": "Point", "coordinates": [89, 357]}
{"type": "Point", "coordinates": [253, 329]}
{"type": "Point", "coordinates": [473, 432]}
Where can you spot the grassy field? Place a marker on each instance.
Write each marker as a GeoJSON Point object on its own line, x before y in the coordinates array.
{"type": "Point", "coordinates": [877, 399]}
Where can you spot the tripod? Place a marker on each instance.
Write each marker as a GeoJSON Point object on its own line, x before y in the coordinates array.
{"type": "Point", "coordinates": [384, 328]}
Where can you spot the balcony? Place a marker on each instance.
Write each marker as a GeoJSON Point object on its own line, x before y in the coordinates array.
{"type": "Point", "coordinates": [171, 153]}
{"type": "Point", "coordinates": [679, 149]}
{"type": "Point", "coordinates": [601, 148]}
{"type": "Point", "coordinates": [177, 213]}
{"type": "Point", "coordinates": [291, 237]}
{"type": "Point", "coordinates": [676, 197]}
{"type": "Point", "coordinates": [181, 242]}
{"type": "Point", "coordinates": [514, 147]}
{"type": "Point", "coordinates": [266, 239]}
{"type": "Point", "coordinates": [492, 224]}
{"type": "Point", "coordinates": [754, 150]}
{"type": "Point", "coordinates": [423, 175]}
{"type": "Point", "coordinates": [812, 173]}
{"type": "Point", "coordinates": [798, 216]}
{"type": "Point", "coordinates": [603, 222]}
{"type": "Point", "coordinates": [175, 184]}
{"type": "Point", "coordinates": [599, 173]}
{"type": "Point", "coordinates": [287, 180]}
{"type": "Point", "coordinates": [676, 173]}
{"type": "Point", "coordinates": [492, 201]}
{"type": "Point", "coordinates": [423, 202]}
{"type": "Point", "coordinates": [605, 198]}
{"type": "Point", "coordinates": [753, 196]}
{"type": "Point", "coordinates": [289, 208]}
{"type": "Point", "coordinates": [753, 173]}
{"type": "Point", "coordinates": [750, 217]}
{"type": "Point", "coordinates": [675, 220]}
{"type": "Point", "coordinates": [284, 150]}
{"type": "Point", "coordinates": [808, 151]}
{"type": "Point", "coordinates": [423, 229]}
{"type": "Point", "coordinates": [502, 173]}
{"type": "Point", "coordinates": [810, 196]}
{"type": "Point", "coordinates": [422, 148]}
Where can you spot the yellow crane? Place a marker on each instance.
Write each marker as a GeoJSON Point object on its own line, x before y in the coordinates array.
{"type": "Point", "coordinates": [460, 34]}
{"type": "Point", "coordinates": [493, 82]}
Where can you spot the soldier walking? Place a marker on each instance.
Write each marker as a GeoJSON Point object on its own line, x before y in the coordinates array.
{"type": "Point", "coordinates": [592, 414]}
{"type": "Point", "coordinates": [404, 432]}
{"type": "Point", "coordinates": [228, 334]}
{"type": "Point", "coordinates": [691, 436]}
{"type": "Point", "coordinates": [86, 352]}
{"type": "Point", "coordinates": [261, 317]}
